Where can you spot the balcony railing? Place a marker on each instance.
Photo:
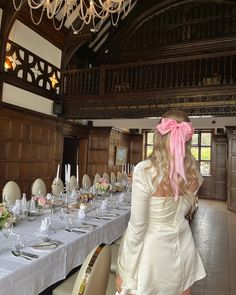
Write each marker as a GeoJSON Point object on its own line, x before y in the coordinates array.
{"type": "Point", "coordinates": [152, 76]}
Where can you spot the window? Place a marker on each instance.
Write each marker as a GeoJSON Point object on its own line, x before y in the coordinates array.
{"type": "Point", "coordinates": [148, 144]}
{"type": "Point", "coordinates": [201, 150]}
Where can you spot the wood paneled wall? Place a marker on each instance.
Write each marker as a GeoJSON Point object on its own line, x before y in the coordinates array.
{"type": "Point", "coordinates": [102, 149]}
{"type": "Point", "coordinates": [231, 197]}
{"type": "Point", "coordinates": [31, 146]}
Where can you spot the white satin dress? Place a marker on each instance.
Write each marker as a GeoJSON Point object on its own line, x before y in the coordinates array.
{"type": "Point", "coordinates": [157, 254]}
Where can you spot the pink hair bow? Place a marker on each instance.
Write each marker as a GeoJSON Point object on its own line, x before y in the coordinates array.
{"type": "Point", "coordinates": [180, 133]}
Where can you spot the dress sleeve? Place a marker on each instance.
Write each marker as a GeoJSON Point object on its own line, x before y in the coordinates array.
{"type": "Point", "coordinates": [132, 242]}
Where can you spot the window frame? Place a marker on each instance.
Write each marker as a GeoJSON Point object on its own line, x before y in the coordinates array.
{"type": "Point", "coordinates": [200, 146]}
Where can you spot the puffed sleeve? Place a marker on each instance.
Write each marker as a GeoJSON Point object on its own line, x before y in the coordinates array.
{"type": "Point", "coordinates": [132, 242]}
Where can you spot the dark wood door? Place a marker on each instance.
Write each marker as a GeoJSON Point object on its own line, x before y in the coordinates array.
{"type": "Point", "coordinates": [70, 154]}
{"type": "Point", "coordinates": [219, 168]}
{"type": "Point", "coordinates": [231, 201]}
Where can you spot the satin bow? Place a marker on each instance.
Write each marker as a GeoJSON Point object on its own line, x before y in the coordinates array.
{"type": "Point", "coordinates": [180, 133]}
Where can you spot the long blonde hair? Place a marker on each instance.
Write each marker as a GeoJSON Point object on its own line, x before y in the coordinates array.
{"type": "Point", "coordinates": [160, 157]}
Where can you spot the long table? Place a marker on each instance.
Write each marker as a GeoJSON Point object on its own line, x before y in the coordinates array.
{"type": "Point", "coordinates": [30, 277]}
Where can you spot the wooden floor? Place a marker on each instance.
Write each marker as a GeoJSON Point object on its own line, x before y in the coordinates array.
{"type": "Point", "coordinates": [214, 231]}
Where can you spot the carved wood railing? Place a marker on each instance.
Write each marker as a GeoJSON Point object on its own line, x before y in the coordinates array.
{"type": "Point", "coordinates": [151, 76]}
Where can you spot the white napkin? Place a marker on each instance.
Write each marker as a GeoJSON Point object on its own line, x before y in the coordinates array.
{"type": "Point", "coordinates": [45, 225]}
{"type": "Point", "coordinates": [104, 205]}
{"type": "Point", "coordinates": [81, 213]}
{"type": "Point", "coordinates": [121, 197]}
{"type": "Point", "coordinates": [48, 196]}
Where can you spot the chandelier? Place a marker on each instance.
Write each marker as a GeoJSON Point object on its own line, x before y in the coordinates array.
{"type": "Point", "coordinates": [68, 12]}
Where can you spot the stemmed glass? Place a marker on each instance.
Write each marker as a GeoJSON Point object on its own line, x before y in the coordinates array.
{"type": "Point", "coordinates": [7, 229]}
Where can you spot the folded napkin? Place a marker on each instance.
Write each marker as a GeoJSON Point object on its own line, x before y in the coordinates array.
{"type": "Point", "coordinates": [104, 205]}
{"type": "Point", "coordinates": [81, 213]}
{"type": "Point", "coordinates": [45, 225]}
{"type": "Point", "coordinates": [121, 197]}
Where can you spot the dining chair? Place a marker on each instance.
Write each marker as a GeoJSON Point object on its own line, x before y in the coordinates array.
{"type": "Point", "coordinates": [113, 177]}
{"type": "Point", "coordinates": [73, 182]}
{"type": "Point", "coordinates": [86, 182]}
{"type": "Point", "coordinates": [119, 176]}
{"type": "Point", "coordinates": [11, 192]}
{"type": "Point", "coordinates": [97, 177]}
{"type": "Point", "coordinates": [92, 277]}
{"type": "Point", "coordinates": [111, 289]}
{"type": "Point", "coordinates": [106, 176]}
{"type": "Point", "coordinates": [39, 187]}
{"type": "Point", "coordinates": [57, 186]}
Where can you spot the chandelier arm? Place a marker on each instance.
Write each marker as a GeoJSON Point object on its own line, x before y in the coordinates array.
{"type": "Point", "coordinates": [114, 23]}
{"type": "Point", "coordinates": [97, 27]}
{"type": "Point", "coordinates": [112, 7]}
{"type": "Point", "coordinates": [76, 31]}
{"type": "Point", "coordinates": [35, 5]}
{"type": "Point", "coordinates": [127, 11]}
{"type": "Point", "coordinates": [17, 8]}
{"type": "Point", "coordinates": [57, 7]}
{"type": "Point", "coordinates": [61, 24]}
{"type": "Point", "coordinates": [40, 19]}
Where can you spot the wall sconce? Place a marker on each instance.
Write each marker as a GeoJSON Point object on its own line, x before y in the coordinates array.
{"type": "Point", "coordinates": [7, 64]}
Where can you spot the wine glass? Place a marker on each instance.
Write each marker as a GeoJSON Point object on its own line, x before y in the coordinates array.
{"type": "Point", "coordinates": [7, 228]}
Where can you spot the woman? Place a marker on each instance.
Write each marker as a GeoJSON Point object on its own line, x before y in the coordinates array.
{"type": "Point", "coordinates": [157, 255]}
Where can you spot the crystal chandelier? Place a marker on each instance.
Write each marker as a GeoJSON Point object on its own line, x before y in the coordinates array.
{"type": "Point", "coordinates": [89, 12]}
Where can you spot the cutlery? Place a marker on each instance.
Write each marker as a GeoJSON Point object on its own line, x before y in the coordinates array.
{"type": "Point", "coordinates": [57, 242]}
{"type": "Point", "coordinates": [31, 255]}
{"type": "Point", "coordinates": [19, 254]}
{"type": "Point", "coordinates": [104, 218]}
{"type": "Point", "coordinates": [74, 230]}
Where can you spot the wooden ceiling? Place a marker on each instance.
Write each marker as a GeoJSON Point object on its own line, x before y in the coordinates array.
{"type": "Point", "coordinates": [174, 41]}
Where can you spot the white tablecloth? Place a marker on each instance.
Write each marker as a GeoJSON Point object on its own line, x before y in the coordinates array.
{"type": "Point", "coordinates": [30, 277]}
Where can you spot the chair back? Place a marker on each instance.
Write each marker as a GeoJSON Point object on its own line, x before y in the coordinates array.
{"type": "Point", "coordinates": [97, 177]}
{"type": "Point", "coordinates": [119, 176]}
{"type": "Point", "coordinates": [39, 187]}
{"type": "Point", "coordinates": [73, 182]}
{"type": "Point", "coordinates": [112, 177]}
{"type": "Point", "coordinates": [12, 191]}
{"type": "Point", "coordinates": [57, 187]}
{"type": "Point", "coordinates": [105, 176]}
{"type": "Point", "coordinates": [94, 273]}
{"type": "Point", "coordinates": [86, 182]}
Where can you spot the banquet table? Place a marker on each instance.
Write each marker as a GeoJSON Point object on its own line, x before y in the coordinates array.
{"type": "Point", "coordinates": [30, 277]}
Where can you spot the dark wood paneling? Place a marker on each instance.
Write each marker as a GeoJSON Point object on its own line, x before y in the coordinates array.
{"type": "Point", "coordinates": [231, 191]}
{"type": "Point", "coordinates": [31, 146]}
{"type": "Point", "coordinates": [219, 167]}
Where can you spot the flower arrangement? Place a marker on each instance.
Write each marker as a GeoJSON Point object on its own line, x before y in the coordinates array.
{"type": "Point", "coordinates": [40, 201]}
{"type": "Point", "coordinates": [86, 198]}
{"type": "Point", "coordinates": [5, 216]}
{"type": "Point", "coordinates": [103, 185]}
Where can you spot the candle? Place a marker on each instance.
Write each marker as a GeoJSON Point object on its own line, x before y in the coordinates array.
{"type": "Point", "coordinates": [66, 178]}
{"type": "Point", "coordinates": [77, 174]}
{"type": "Point", "coordinates": [128, 168]}
{"type": "Point", "coordinates": [58, 169]}
{"type": "Point", "coordinates": [122, 169]}
{"type": "Point", "coordinates": [68, 175]}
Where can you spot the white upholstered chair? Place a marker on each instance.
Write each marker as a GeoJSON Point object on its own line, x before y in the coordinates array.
{"type": "Point", "coordinates": [92, 278]}
{"type": "Point", "coordinates": [111, 289]}
{"type": "Point", "coordinates": [106, 176]}
{"type": "Point", "coordinates": [97, 177]}
{"type": "Point", "coordinates": [39, 187]}
{"type": "Point", "coordinates": [57, 187]}
{"type": "Point", "coordinates": [11, 192]}
{"type": "Point", "coordinates": [73, 182]}
{"type": "Point", "coordinates": [113, 177]}
{"type": "Point", "coordinates": [119, 176]}
{"type": "Point", "coordinates": [86, 182]}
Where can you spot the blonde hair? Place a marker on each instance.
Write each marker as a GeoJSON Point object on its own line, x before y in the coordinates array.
{"type": "Point", "coordinates": [160, 158]}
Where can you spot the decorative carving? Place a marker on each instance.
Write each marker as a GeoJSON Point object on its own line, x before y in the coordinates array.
{"type": "Point", "coordinates": [32, 69]}
{"type": "Point", "coordinates": [224, 105]}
